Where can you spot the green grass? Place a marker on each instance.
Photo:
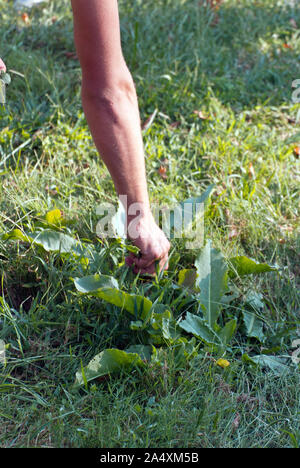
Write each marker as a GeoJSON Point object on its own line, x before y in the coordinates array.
{"type": "Point", "coordinates": [238, 73]}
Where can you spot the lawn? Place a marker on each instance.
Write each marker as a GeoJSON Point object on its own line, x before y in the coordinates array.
{"type": "Point", "coordinates": [212, 363]}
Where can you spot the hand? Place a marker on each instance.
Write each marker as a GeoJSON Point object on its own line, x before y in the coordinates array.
{"type": "Point", "coordinates": [153, 244]}
{"type": "Point", "coordinates": [2, 66]}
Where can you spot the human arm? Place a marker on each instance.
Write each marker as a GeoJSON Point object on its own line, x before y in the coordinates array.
{"type": "Point", "coordinates": [2, 66]}
{"type": "Point", "coordinates": [111, 108]}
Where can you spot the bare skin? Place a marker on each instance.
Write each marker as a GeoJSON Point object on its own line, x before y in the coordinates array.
{"type": "Point", "coordinates": [111, 108]}
{"type": "Point", "coordinates": [2, 66]}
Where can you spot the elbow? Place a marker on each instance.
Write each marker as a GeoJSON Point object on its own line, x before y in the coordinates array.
{"type": "Point", "coordinates": [109, 98]}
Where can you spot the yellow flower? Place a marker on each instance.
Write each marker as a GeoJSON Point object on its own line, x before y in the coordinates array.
{"type": "Point", "coordinates": [223, 363]}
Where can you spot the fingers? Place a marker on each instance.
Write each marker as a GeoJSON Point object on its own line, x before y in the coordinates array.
{"type": "Point", "coordinates": [2, 66]}
{"type": "Point", "coordinates": [152, 269]}
{"type": "Point", "coordinates": [129, 260]}
{"type": "Point", "coordinates": [144, 266]}
{"type": "Point", "coordinates": [154, 249]}
{"type": "Point", "coordinates": [145, 261]}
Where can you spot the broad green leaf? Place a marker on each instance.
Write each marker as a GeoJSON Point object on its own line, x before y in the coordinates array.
{"type": "Point", "coordinates": [106, 288]}
{"type": "Point", "coordinates": [118, 221]}
{"type": "Point", "coordinates": [17, 234]}
{"type": "Point", "coordinates": [144, 351]}
{"type": "Point", "coordinates": [90, 284]}
{"type": "Point", "coordinates": [53, 241]}
{"type": "Point", "coordinates": [186, 211]}
{"type": "Point", "coordinates": [227, 332]}
{"type": "Point", "coordinates": [50, 240]}
{"type": "Point", "coordinates": [200, 328]}
{"type": "Point", "coordinates": [184, 350]}
{"type": "Point", "coordinates": [5, 77]}
{"type": "Point", "coordinates": [254, 326]}
{"type": "Point", "coordinates": [137, 305]}
{"type": "Point", "coordinates": [158, 317]}
{"type": "Point", "coordinates": [201, 198]}
{"type": "Point", "coordinates": [54, 217]}
{"type": "Point", "coordinates": [230, 296]}
{"type": "Point", "coordinates": [212, 281]}
{"type": "Point", "coordinates": [163, 326]}
{"type": "Point", "coordinates": [187, 278]}
{"type": "Point", "coordinates": [277, 364]}
{"type": "Point", "coordinates": [158, 355]}
{"type": "Point", "coordinates": [137, 325]}
{"type": "Point", "coordinates": [190, 203]}
{"type": "Point", "coordinates": [107, 362]}
{"type": "Point", "coordinates": [255, 300]}
{"type": "Point", "coordinates": [241, 266]}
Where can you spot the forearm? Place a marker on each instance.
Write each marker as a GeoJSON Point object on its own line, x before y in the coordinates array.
{"type": "Point", "coordinates": [114, 121]}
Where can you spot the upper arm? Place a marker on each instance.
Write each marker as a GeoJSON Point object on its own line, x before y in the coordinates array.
{"type": "Point", "coordinates": [97, 38]}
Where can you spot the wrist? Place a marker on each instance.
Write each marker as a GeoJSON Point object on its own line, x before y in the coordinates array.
{"type": "Point", "coordinates": [138, 211]}
{"type": "Point", "coordinates": [140, 223]}
{"type": "Point", "coordinates": [136, 208]}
